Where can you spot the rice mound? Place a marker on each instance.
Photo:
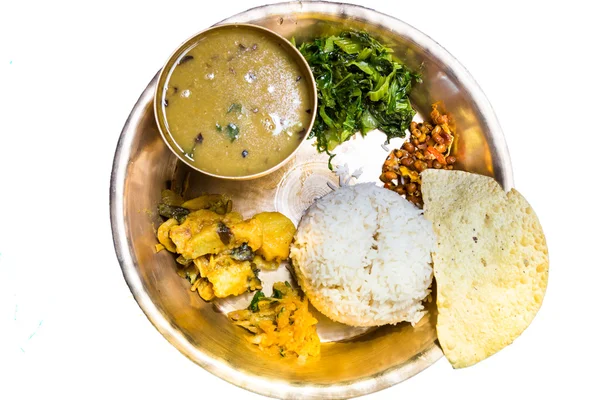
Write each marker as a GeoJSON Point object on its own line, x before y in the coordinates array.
{"type": "Point", "coordinates": [362, 255]}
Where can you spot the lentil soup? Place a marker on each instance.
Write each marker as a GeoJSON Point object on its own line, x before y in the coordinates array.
{"type": "Point", "coordinates": [236, 102]}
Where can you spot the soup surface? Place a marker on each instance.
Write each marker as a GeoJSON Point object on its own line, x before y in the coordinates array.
{"type": "Point", "coordinates": [236, 103]}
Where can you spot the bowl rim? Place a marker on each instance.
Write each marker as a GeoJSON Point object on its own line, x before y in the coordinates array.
{"type": "Point", "coordinates": [159, 116]}
{"type": "Point", "coordinates": [124, 248]}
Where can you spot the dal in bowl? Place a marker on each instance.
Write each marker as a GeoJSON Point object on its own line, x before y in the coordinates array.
{"type": "Point", "coordinates": [235, 101]}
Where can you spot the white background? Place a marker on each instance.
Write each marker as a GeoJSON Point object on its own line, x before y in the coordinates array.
{"type": "Point", "coordinates": [71, 72]}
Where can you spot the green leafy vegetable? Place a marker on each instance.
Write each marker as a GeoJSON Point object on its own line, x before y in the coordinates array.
{"type": "Point", "coordinates": [277, 294]}
{"type": "Point", "coordinates": [234, 107]}
{"type": "Point", "coordinates": [254, 303]}
{"type": "Point", "coordinates": [218, 127]}
{"type": "Point", "coordinates": [232, 131]}
{"type": "Point", "coordinates": [221, 206]}
{"type": "Point", "coordinates": [360, 88]}
{"type": "Point", "coordinates": [167, 211]}
{"type": "Point", "coordinates": [242, 253]}
{"type": "Point", "coordinates": [280, 312]}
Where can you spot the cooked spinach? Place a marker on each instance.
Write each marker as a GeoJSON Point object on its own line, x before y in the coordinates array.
{"type": "Point", "coordinates": [360, 87]}
{"type": "Point", "coordinates": [254, 303]}
{"type": "Point", "coordinates": [168, 211]}
{"type": "Point", "coordinates": [277, 294]}
{"type": "Point", "coordinates": [242, 253]}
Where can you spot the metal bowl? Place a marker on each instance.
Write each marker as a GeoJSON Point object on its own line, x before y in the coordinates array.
{"type": "Point", "coordinates": [284, 44]}
{"type": "Point", "coordinates": [353, 361]}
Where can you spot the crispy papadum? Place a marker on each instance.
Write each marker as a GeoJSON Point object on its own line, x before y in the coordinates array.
{"type": "Point", "coordinates": [490, 264]}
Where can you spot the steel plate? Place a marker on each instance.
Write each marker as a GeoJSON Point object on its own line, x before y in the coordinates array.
{"type": "Point", "coordinates": [353, 361]}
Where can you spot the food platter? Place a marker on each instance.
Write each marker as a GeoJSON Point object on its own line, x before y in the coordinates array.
{"type": "Point", "coordinates": [354, 361]}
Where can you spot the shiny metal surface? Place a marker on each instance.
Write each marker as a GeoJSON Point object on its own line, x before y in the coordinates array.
{"type": "Point", "coordinates": [164, 74]}
{"type": "Point", "coordinates": [353, 362]}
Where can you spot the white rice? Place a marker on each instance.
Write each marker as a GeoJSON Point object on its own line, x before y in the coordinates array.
{"type": "Point", "coordinates": [362, 255]}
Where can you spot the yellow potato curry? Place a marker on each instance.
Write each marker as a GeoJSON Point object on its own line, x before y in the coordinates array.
{"type": "Point", "coordinates": [220, 253]}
